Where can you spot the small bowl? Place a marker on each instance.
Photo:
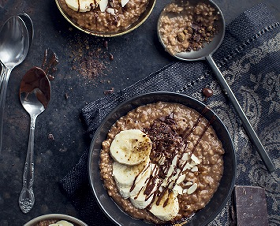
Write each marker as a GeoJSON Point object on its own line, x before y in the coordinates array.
{"type": "Point", "coordinates": [58, 217]}
{"type": "Point", "coordinates": [221, 196]}
{"type": "Point", "coordinates": [143, 17]}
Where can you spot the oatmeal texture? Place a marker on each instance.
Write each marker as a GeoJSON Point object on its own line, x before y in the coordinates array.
{"type": "Point", "coordinates": [48, 222]}
{"type": "Point", "coordinates": [186, 28]}
{"type": "Point", "coordinates": [173, 129]}
{"type": "Point", "coordinates": [108, 21]}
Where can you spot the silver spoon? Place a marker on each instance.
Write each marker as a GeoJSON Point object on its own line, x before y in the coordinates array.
{"type": "Point", "coordinates": [29, 25]}
{"type": "Point", "coordinates": [205, 53]}
{"type": "Point", "coordinates": [14, 46]}
{"type": "Point", "coordinates": [35, 92]}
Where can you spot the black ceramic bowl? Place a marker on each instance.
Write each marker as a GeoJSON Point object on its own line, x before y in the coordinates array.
{"type": "Point", "coordinates": [56, 217]}
{"type": "Point", "coordinates": [221, 196]}
{"type": "Point", "coordinates": [132, 27]}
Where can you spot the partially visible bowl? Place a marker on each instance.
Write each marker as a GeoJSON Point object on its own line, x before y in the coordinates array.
{"type": "Point", "coordinates": [66, 11]}
{"type": "Point", "coordinates": [57, 217]}
{"type": "Point", "coordinates": [221, 196]}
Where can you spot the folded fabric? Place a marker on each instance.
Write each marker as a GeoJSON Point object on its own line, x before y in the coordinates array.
{"type": "Point", "coordinates": [249, 58]}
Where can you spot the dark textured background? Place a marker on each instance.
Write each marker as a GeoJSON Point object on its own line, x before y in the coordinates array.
{"type": "Point", "coordinates": [136, 55]}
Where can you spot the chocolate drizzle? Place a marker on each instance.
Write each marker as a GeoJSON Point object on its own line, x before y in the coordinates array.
{"type": "Point", "coordinates": [35, 80]}
{"type": "Point", "coordinates": [167, 143]}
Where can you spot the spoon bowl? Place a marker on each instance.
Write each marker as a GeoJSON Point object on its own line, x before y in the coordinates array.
{"type": "Point", "coordinates": [205, 53]}
{"type": "Point", "coordinates": [208, 48]}
{"type": "Point", "coordinates": [14, 46]}
{"type": "Point", "coordinates": [14, 42]}
{"type": "Point", "coordinates": [35, 93]}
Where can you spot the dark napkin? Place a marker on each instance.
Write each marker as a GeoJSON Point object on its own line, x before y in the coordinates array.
{"type": "Point", "coordinates": [249, 59]}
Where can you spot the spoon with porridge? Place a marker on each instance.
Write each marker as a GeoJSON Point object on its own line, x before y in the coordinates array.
{"type": "Point", "coordinates": [193, 30]}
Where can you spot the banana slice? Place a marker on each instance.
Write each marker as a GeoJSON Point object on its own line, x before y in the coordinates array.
{"type": "Point", "coordinates": [124, 190]}
{"type": "Point", "coordinates": [139, 201]}
{"type": "Point", "coordinates": [62, 223]}
{"type": "Point", "coordinates": [131, 177]}
{"type": "Point", "coordinates": [144, 191]}
{"type": "Point", "coordinates": [125, 175]}
{"type": "Point", "coordinates": [141, 180]}
{"type": "Point", "coordinates": [131, 147]}
{"type": "Point", "coordinates": [82, 5]}
{"type": "Point", "coordinates": [167, 208]}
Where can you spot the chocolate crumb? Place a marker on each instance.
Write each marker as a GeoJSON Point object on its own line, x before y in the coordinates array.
{"type": "Point", "coordinates": [51, 77]}
{"type": "Point", "coordinates": [111, 57]}
{"type": "Point", "coordinates": [51, 136]}
{"type": "Point", "coordinates": [63, 149]}
{"type": "Point", "coordinates": [207, 92]}
{"type": "Point", "coordinates": [105, 44]}
{"type": "Point", "coordinates": [110, 91]}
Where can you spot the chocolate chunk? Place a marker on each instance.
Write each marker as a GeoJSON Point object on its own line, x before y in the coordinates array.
{"type": "Point", "coordinates": [250, 206]}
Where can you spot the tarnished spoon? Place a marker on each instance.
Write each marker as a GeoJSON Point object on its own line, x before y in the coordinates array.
{"type": "Point", "coordinates": [205, 53]}
{"type": "Point", "coordinates": [14, 46]}
{"type": "Point", "coordinates": [35, 93]}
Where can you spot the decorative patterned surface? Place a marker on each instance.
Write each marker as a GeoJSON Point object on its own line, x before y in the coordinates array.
{"type": "Point", "coordinates": [249, 58]}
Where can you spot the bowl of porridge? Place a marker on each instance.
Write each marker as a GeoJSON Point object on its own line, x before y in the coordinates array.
{"type": "Point", "coordinates": [191, 29]}
{"type": "Point", "coordinates": [106, 18]}
{"type": "Point", "coordinates": [162, 158]}
{"type": "Point", "coordinates": [54, 220]}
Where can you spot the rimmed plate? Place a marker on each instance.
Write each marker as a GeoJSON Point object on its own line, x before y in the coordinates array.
{"type": "Point", "coordinates": [221, 196]}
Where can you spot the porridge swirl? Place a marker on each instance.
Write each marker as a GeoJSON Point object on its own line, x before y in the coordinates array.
{"type": "Point", "coordinates": [181, 172]}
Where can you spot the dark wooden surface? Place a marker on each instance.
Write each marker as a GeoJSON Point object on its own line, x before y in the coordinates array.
{"type": "Point", "coordinates": [135, 56]}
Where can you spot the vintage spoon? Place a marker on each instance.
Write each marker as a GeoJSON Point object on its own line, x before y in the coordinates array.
{"type": "Point", "coordinates": [34, 93]}
{"type": "Point", "coordinates": [206, 54]}
{"type": "Point", "coordinates": [14, 46]}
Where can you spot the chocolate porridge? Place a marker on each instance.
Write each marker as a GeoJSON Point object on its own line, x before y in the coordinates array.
{"type": "Point", "coordinates": [114, 17]}
{"type": "Point", "coordinates": [184, 28]}
{"type": "Point", "coordinates": [185, 161]}
{"type": "Point", "coordinates": [54, 223]}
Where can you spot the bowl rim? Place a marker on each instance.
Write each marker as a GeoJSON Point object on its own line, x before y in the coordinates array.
{"type": "Point", "coordinates": [161, 93]}
{"type": "Point", "coordinates": [136, 24]}
{"type": "Point", "coordinates": [55, 216]}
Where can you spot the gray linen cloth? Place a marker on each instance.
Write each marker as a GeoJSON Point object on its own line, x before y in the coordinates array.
{"type": "Point", "coordinates": [249, 58]}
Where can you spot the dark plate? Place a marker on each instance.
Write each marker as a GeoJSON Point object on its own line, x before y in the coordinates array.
{"type": "Point", "coordinates": [221, 196]}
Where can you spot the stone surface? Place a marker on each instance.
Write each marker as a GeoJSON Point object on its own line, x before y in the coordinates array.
{"type": "Point", "coordinates": [60, 136]}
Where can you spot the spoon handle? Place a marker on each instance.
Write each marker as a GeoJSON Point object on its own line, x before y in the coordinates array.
{"type": "Point", "coordinates": [26, 198]}
{"type": "Point", "coordinates": [246, 124]}
{"type": "Point", "coordinates": [4, 78]}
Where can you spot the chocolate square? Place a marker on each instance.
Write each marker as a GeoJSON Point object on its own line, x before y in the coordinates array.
{"type": "Point", "coordinates": [250, 206]}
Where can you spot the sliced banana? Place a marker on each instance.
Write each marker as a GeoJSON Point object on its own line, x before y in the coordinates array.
{"type": "Point", "coordinates": [82, 5]}
{"type": "Point", "coordinates": [62, 223]}
{"type": "Point", "coordinates": [131, 147]}
{"type": "Point", "coordinates": [141, 181]}
{"type": "Point", "coordinates": [125, 175]}
{"type": "Point", "coordinates": [142, 194]}
{"type": "Point", "coordinates": [124, 190]}
{"type": "Point", "coordinates": [167, 208]}
{"type": "Point", "coordinates": [140, 201]}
